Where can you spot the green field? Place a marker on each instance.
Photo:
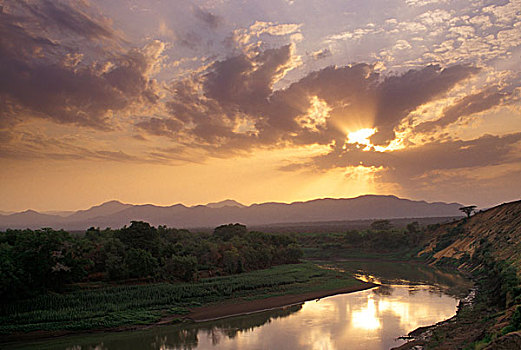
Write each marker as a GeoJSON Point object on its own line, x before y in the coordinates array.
{"type": "Point", "coordinates": [112, 306]}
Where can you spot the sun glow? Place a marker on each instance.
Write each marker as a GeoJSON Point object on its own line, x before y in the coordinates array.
{"type": "Point", "coordinates": [361, 138]}
{"type": "Point", "coordinates": [317, 115]}
{"type": "Point", "coordinates": [367, 318]}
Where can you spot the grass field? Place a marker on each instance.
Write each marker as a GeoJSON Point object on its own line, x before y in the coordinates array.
{"type": "Point", "coordinates": [113, 306]}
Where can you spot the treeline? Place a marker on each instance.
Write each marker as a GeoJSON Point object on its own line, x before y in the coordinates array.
{"type": "Point", "coordinates": [380, 237]}
{"type": "Point", "coordinates": [35, 261]}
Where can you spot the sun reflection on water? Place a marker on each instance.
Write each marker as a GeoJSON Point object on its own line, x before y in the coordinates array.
{"type": "Point", "coordinates": [370, 320]}
{"type": "Point", "coordinates": [367, 317]}
{"type": "Point", "coordinates": [367, 278]}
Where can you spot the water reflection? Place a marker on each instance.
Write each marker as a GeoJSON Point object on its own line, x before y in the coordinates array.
{"type": "Point", "coordinates": [370, 319]}
{"type": "Point", "coordinates": [407, 273]}
{"type": "Point", "coordinates": [187, 338]}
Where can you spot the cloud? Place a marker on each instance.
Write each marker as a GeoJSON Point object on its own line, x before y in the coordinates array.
{"type": "Point", "coordinates": [505, 13]}
{"type": "Point", "coordinates": [424, 2]}
{"type": "Point", "coordinates": [400, 95]}
{"type": "Point", "coordinates": [356, 34]}
{"type": "Point", "coordinates": [248, 40]}
{"type": "Point", "coordinates": [232, 106]}
{"type": "Point", "coordinates": [206, 17]}
{"type": "Point", "coordinates": [228, 106]}
{"type": "Point", "coordinates": [321, 54]}
{"type": "Point", "coordinates": [417, 168]}
{"type": "Point", "coordinates": [466, 106]}
{"type": "Point", "coordinates": [68, 18]}
{"type": "Point", "coordinates": [41, 78]}
{"type": "Point", "coordinates": [30, 145]}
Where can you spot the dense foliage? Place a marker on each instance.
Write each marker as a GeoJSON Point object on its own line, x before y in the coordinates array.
{"type": "Point", "coordinates": [32, 262]}
{"type": "Point", "coordinates": [380, 237]}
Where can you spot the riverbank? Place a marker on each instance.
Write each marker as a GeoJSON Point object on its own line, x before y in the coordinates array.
{"type": "Point", "coordinates": [224, 309]}
{"type": "Point", "coordinates": [236, 308]}
{"type": "Point", "coordinates": [120, 308]}
{"type": "Point", "coordinates": [462, 329]}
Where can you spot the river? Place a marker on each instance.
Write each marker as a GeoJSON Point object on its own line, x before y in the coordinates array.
{"type": "Point", "coordinates": [410, 297]}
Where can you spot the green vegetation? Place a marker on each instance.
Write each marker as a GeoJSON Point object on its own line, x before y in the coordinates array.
{"type": "Point", "coordinates": [450, 236]}
{"type": "Point", "coordinates": [91, 308]}
{"type": "Point", "coordinates": [499, 294]}
{"type": "Point", "coordinates": [515, 322]}
{"type": "Point", "coordinates": [499, 284]}
{"type": "Point", "coordinates": [380, 241]}
{"type": "Point", "coordinates": [36, 262]}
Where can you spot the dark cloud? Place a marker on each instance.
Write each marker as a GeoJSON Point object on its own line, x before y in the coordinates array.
{"type": "Point", "coordinates": [415, 161]}
{"type": "Point", "coordinates": [160, 127]}
{"type": "Point", "coordinates": [206, 17]}
{"type": "Point", "coordinates": [402, 94]}
{"type": "Point", "coordinates": [67, 18]}
{"type": "Point", "coordinates": [321, 54]}
{"type": "Point", "coordinates": [203, 34]}
{"type": "Point", "coordinates": [237, 90]}
{"type": "Point", "coordinates": [42, 78]}
{"type": "Point", "coordinates": [211, 107]}
{"type": "Point", "coordinates": [446, 168]}
{"type": "Point", "coordinates": [246, 83]}
{"type": "Point", "coordinates": [190, 40]}
{"type": "Point", "coordinates": [466, 106]}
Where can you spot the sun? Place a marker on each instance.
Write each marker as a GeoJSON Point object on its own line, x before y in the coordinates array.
{"type": "Point", "coordinates": [361, 136]}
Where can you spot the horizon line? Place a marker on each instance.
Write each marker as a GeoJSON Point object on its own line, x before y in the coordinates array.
{"type": "Point", "coordinates": [50, 211]}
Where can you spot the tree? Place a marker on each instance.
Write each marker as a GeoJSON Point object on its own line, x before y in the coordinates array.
{"type": "Point", "coordinates": [381, 225]}
{"type": "Point", "coordinates": [414, 233]}
{"type": "Point", "coordinates": [10, 284]}
{"type": "Point", "coordinates": [232, 261]}
{"type": "Point", "coordinates": [293, 254]}
{"type": "Point", "coordinates": [140, 235]}
{"type": "Point", "coordinates": [40, 260]}
{"type": "Point", "coordinates": [468, 210]}
{"type": "Point", "coordinates": [180, 267]}
{"type": "Point", "coordinates": [140, 263]}
{"type": "Point", "coordinates": [353, 237]}
{"type": "Point", "coordinates": [227, 232]}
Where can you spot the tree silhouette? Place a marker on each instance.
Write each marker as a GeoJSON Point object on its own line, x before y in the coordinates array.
{"type": "Point", "coordinates": [468, 210]}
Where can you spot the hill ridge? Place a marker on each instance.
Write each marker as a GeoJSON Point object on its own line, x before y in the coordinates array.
{"type": "Point", "coordinates": [117, 214]}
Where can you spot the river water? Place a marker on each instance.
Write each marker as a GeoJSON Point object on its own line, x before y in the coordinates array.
{"type": "Point", "coordinates": [410, 297]}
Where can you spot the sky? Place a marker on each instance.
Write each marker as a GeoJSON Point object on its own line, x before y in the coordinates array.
{"type": "Point", "coordinates": [164, 102]}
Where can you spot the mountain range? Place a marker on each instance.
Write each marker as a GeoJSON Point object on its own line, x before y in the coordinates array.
{"type": "Point", "coordinates": [116, 214]}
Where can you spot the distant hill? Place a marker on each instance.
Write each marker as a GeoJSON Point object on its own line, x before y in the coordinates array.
{"type": "Point", "coordinates": [105, 209]}
{"type": "Point", "coordinates": [115, 214]}
{"type": "Point", "coordinates": [225, 203]}
{"type": "Point", "coordinates": [30, 219]}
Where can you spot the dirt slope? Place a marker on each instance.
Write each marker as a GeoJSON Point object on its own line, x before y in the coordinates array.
{"type": "Point", "coordinates": [500, 226]}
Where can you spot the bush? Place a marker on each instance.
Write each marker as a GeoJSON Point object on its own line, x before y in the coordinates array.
{"type": "Point", "coordinates": [140, 263]}
{"type": "Point", "coordinates": [183, 268]}
{"type": "Point", "coordinates": [227, 232]}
